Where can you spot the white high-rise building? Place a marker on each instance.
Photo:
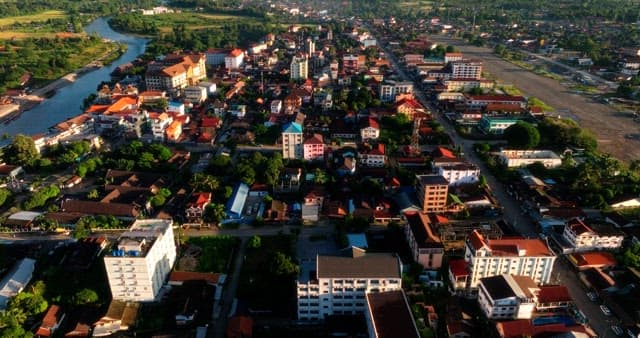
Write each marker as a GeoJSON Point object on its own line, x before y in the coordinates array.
{"type": "Point", "coordinates": [309, 46]}
{"type": "Point", "coordinates": [515, 256]}
{"type": "Point", "coordinates": [466, 69]}
{"type": "Point", "coordinates": [299, 68]}
{"type": "Point", "coordinates": [292, 142]}
{"type": "Point", "coordinates": [139, 263]}
{"type": "Point", "coordinates": [339, 284]}
{"type": "Point", "coordinates": [390, 89]}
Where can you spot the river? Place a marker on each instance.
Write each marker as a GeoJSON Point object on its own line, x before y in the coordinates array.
{"type": "Point", "coordinates": [67, 102]}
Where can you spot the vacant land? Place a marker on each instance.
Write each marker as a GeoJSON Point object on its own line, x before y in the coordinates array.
{"type": "Point", "coordinates": [166, 22]}
{"type": "Point", "coordinates": [607, 123]}
{"type": "Point", "coordinates": [40, 17]}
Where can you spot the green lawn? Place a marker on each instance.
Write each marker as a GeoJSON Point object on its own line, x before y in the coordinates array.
{"type": "Point", "coordinates": [216, 252]}
{"type": "Point", "coordinates": [39, 17]}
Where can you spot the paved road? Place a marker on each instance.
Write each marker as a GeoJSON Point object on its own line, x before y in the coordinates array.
{"type": "Point", "coordinates": [609, 126]}
{"type": "Point", "coordinates": [229, 293]}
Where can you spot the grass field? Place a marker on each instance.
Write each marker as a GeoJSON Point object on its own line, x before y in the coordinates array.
{"type": "Point", "coordinates": [44, 16]}
{"type": "Point", "coordinates": [193, 21]}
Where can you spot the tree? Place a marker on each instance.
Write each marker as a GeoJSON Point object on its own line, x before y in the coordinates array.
{"type": "Point", "coordinates": [320, 176]}
{"type": "Point", "coordinates": [214, 212]}
{"type": "Point", "coordinates": [522, 135]}
{"type": "Point", "coordinates": [5, 194]}
{"type": "Point", "coordinates": [85, 297]}
{"type": "Point", "coordinates": [204, 182]}
{"type": "Point", "coordinates": [22, 151]}
{"type": "Point", "coordinates": [283, 265]}
{"type": "Point", "coordinates": [255, 242]}
{"type": "Point", "coordinates": [631, 257]}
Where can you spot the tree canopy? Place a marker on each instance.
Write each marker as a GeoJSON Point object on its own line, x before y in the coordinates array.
{"type": "Point", "coordinates": [522, 135]}
{"type": "Point", "coordinates": [22, 151]}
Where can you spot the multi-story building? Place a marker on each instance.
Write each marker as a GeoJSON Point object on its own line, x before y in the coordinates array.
{"type": "Point", "coordinates": [215, 56]}
{"type": "Point", "coordinates": [521, 158]}
{"type": "Point", "coordinates": [432, 192]}
{"type": "Point", "coordinates": [461, 173]}
{"type": "Point", "coordinates": [309, 46]}
{"type": "Point", "coordinates": [584, 238]}
{"type": "Point", "coordinates": [175, 72]}
{"type": "Point", "coordinates": [480, 101]}
{"type": "Point", "coordinates": [516, 256]}
{"type": "Point", "coordinates": [452, 57]}
{"type": "Point", "coordinates": [390, 89]}
{"type": "Point", "coordinates": [159, 125]}
{"type": "Point", "coordinates": [299, 68]}
{"type": "Point", "coordinates": [234, 59]}
{"type": "Point", "coordinates": [426, 247]}
{"type": "Point", "coordinates": [313, 147]}
{"type": "Point", "coordinates": [350, 62]}
{"type": "Point", "coordinates": [140, 261]}
{"type": "Point", "coordinates": [496, 125]}
{"type": "Point", "coordinates": [388, 315]}
{"type": "Point", "coordinates": [466, 69]}
{"type": "Point", "coordinates": [373, 157]}
{"type": "Point", "coordinates": [507, 296]}
{"type": "Point", "coordinates": [292, 143]}
{"type": "Point", "coordinates": [338, 284]}
{"type": "Point", "coordinates": [195, 94]}
{"type": "Point", "coordinates": [369, 129]}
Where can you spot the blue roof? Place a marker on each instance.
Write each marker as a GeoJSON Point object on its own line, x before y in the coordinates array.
{"type": "Point", "coordinates": [358, 240]}
{"type": "Point", "coordinates": [292, 127]}
{"type": "Point", "coordinates": [237, 200]}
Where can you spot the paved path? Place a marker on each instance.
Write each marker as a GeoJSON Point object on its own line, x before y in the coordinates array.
{"type": "Point", "coordinates": [229, 293]}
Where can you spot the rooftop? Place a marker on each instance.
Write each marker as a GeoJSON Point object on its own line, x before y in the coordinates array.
{"type": "Point", "coordinates": [421, 229]}
{"type": "Point", "coordinates": [391, 316]}
{"type": "Point", "coordinates": [359, 264]}
{"type": "Point", "coordinates": [513, 246]}
{"type": "Point", "coordinates": [432, 180]}
{"type": "Point", "coordinates": [138, 240]}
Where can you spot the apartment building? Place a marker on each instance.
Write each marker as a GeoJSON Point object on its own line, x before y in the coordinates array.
{"type": "Point", "coordinates": [516, 256]}
{"type": "Point", "coordinates": [234, 59]}
{"type": "Point", "coordinates": [585, 238]}
{"type": "Point", "coordinates": [507, 296]}
{"type": "Point", "coordinates": [299, 68]}
{"type": "Point", "coordinates": [369, 130]}
{"type": "Point", "coordinates": [388, 315]}
{"type": "Point", "coordinates": [140, 261]}
{"type": "Point", "coordinates": [339, 284]}
{"type": "Point", "coordinates": [159, 125]}
{"type": "Point", "coordinates": [466, 69]}
{"type": "Point", "coordinates": [390, 89]}
{"type": "Point", "coordinates": [292, 142]}
{"type": "Point", "coordinates": [521, 158]}
{"type": "Point", "coordinates": [432, 191]}
{"type": "Point", "coordinates": [313, 147]}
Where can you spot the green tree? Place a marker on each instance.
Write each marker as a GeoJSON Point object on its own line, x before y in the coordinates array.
{"type": "Point", "coordinates": [255, 242]}
{"type": "Point", "coordinates": [631, 257]}
{"type": "Point", "coordinates": [5, 194]}
{"type": "Point", "coordinates": [85, 297]}
{"type": "Point", "coordinates": [320, 176]}
{"type": "Point", "coordinates": [22, 151]}
{"type": "Point", "coordinates": [283, 265]}
{"type": "Point", "coordinates": [522, 135]}
{"type": "Point", "coordinates": [204, 182]}
{"type": "Point", "coordinates": [214, 212]}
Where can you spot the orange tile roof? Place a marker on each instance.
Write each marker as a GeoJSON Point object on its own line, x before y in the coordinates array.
{"type": "Point", "coordinates": [532, 247]}
{"type": "Point", "coordinates": [123, 103]}
{"type": "Point", "coordinates": [97, 108]}
{"type": "Point", "coordinates": [476, 239]}
{"type": "Point", "coordinates": [236, 52]}
{"type": "Point", "coordinates": [553, 293]}
{"type": "Point", "coordinates": [593, 259]}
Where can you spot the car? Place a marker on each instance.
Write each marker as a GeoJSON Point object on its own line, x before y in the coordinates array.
{"type": "Point", "coordinates": [617, 330]}
{"type": "Point", "coordinates": [592, 296]}
{"type": "Point", "coordinates": [605, 310]}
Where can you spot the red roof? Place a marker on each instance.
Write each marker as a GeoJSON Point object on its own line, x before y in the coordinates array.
{"type": "Point", "coordinates": [372, 123]}
{"type": "Point", "coordinates": [240, 327]}
{"type": "Point", "coordinates": [496, 98]}
{"type": "Point", "coordinates": [211, 122]}
{"type": "Point", "coordinates": [458, 267]}
{"type": "Point", "coordinates": [593, 259]}
{"type": "Point", "coordinates": [236, 52]}
{"type": "Point", "coordinates": [444, 152]}
{"type": "Point", "coordinates": [50, 320]}
{"type": "Point", "coordinates": [553, 293]}
{"type": "Point", "coordinates": [183, 276]}
{"type": "Point", "coordinates": [476, 240]}
{"type": "Point", "coordinates": [525, 328]}
{"type": "Point", "coordinates": [578, 227]}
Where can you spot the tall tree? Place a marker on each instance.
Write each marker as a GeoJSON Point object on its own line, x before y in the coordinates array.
{"type": "Point", "coordinates": [22, 151]}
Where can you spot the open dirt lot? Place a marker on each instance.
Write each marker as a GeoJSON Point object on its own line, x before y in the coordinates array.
{"type": "Point", "coordinates": [609, 126]}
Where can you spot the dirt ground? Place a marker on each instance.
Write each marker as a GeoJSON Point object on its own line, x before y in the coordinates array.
{"type": "Point", "coordinates": [614, 130]}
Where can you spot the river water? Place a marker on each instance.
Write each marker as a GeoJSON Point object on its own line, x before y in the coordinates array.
{"type": "Point", "coordinates": [67, 102]}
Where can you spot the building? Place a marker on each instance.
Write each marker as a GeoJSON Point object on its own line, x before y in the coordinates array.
{"type": "Point", "coordinates": [159, 125]}
{"type": "Point", "coordinates": [313, 147]}
{"type": "Point", "coordinates": [175, 71]}
{"type": "Point", "coordinates": [139, 263]}
{"type": "Point", "coordinates": [523, 158]}
{"type": "Point", "coordinates": [51, 321]}
{"type": "Point", "coordinates": [309, 46]}
{"type": "Point", "coordinates": [390, 89]}
{"type": "Point", "coordinates": [338, 284]}
{"type": "Point", "coordinates": [195, 94]}
{"type": "Point", "coordinates": [496, 124]}
{"type": "Point", "coordinates": [584, 238]}
{"type": "Point", "coordinates": [552, 298]}
{"type": "Point", "coordinates": [234, 59]}
{"type": "Point", "coordinates": [236, 202]}
{"type": "Point", "coordinates": [516, 256]}
{"type": "Point", "coordinates": [432, 192]}
{"type": "Point", "coordinates": [426, 247]}
{"type": "Point", "coordinates": [388, 315]}
{"type": "Point", "coordinates": [373, 157]}
{"type": "Point", "coordinates": [478, 102]}
{"type": "Point", "coordinates": [292, 142]}
{"type": "Point", "coordinates": [466, 69]}
{"type": "Point", "coordinates": [15, 280]}
{"type": "Point", "coordinates": [458, 274]}
{"type": "Point", "coordinates": [463, 173]}
{"type": "Point", "coordinates": [276, 106]}
{"type": "Point", "coordinates": [215, 57]}
{"type": "Point", "coordinates": [299, 68]}
{"type": "Point", "coordinates": [370, 130]}
{"type": "Point", "coordinates": [507, 297]}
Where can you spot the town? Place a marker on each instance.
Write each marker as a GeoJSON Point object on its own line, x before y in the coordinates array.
{"type": "Point", "coordinates": [329, 176]}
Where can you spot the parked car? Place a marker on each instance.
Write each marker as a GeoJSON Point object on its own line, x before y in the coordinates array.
{"type": "Point", "coordinates": [617, 330]}
{"type": "Point", "coordinates": [605, 310]}
{"type": "Point", "coordinates": [592, 296]}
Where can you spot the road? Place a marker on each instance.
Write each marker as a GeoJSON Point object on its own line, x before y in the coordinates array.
{"type": "Point", "coordinates": [229, 293]}
{"type": "Point", "coordinates": [608, 125]}
{"type": "Point", "coordinates": [512, 210]}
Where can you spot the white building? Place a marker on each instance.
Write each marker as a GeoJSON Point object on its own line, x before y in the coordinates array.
{"type": "Point", "coordinates": [234, 59]}
{"type": "Point", "coordinates": [507, 297]}
{"type": "Point", "coordinates": [195, 94]}
{"type": "Point", "coordinates": [461, 173]}
{"type": "Point", "coordinates": [276, 106]}
{"type": "Point", "coordinates": [141, 260]}
{"type": "Point", "coordinates": [159, 125]}
{"type": "Point", "coordinates": [516, 256]}
{"type": "Point", "coordinates": [390, 89]}
{"type": "Point", "coordinates": [584, 238]}
{"type": "Point", "coordinates": [338, 284]}
{"type": "Point", "coordinates": [299, 68]}
{"type": "Point", "coordinates": [522, 158]}
{"type": "Point", "coordinates": [370, 130]}
{"type": "Point", "coordinates": [292, 142]}
{"type": "Point", "coordinates": [211, 87]}
{"type": "Point", "coordinates": [466, 69]}
{"type": "Point", "coordinates": [15, 280]}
